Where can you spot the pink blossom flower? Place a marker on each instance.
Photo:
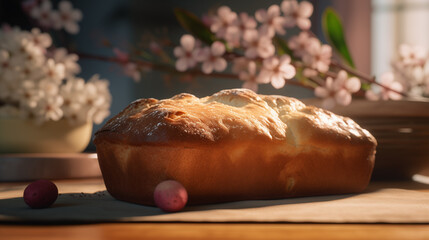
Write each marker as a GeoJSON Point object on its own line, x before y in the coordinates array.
{"type": "Point", "coordinates": [297, 13]}
{"type": "Point", "coordinates": [257, 45]}
{"type": "Point", "coordinates": [207, 20]}
{"type": "Point", "coordinates": [28, 5]}
{"type": "Point", "coordinates": [239, 27]}
{"type": "Point", "coordinates": [387, 80]}
{"type": "Point", "coordinates": [249, 76]}
{"type": "Point", "coordinates": [212, 58]}
{"type": "Point", "coordinates": [187, 53]}
{"type": "Point", "coordinates": [131, 70]}
{"type": "Point", "coordinates": [276, 71]}
{"type": "Point", "coordinates": [240, 64]}
{"type": "Point", "coordinates": [271, 20]}
{"type": "Point", "coordinates": [318, 56]}
{"type": "Point", "coordinates": [299, 44]}
{"type": "Point", "coordinates": [338, 91]}
{"type": "Point", "coordinates": [155, 48]}
{"type": "Point", "coordinates": [223, 21]}
{"type": "Point", "coordinates": [121, 55]}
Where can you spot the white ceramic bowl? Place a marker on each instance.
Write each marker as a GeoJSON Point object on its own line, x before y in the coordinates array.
{"type": "Point", "coordinates": [24, 136]}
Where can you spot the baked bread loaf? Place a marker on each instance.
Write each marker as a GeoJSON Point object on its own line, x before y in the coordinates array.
{"type": "Point", "coordinates": [233, 145]}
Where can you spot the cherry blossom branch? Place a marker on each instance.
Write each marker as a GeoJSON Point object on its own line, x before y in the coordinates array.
{"type": "Point", "coordinates": [156, 66]}
{"type": "Point", "coordinates": [172, 70]}
{"type": "Point", "coordinates": [364, 77]}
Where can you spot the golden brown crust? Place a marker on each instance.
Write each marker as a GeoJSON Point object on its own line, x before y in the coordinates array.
{"type": "Point", "coordinates": [233, 145]}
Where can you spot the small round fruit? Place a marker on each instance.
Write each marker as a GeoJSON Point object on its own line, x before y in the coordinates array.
{"type": "Point", "coordinates": [40, 194]}
{"type": "Point", "coordinates": [170, 196]}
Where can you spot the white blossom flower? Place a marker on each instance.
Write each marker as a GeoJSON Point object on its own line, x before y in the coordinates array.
{"type": "Point", "coordinates": [6, 70]}
{"type": "Point", "coordinates": [29, 71]}
{"type": "Point", "coordinates": [28, 94]}
{"type": "Point", "coordinates": [250, 77]}
{"type": "Point", "coordinates": [187, 53]}
{"type": "Point", "coordinates": [73, 95]}
{"type": "Point", "coordinates": [8, 89]}
{"type": "Point", "coordinates": [67, 17]}
{"type": "Point", "coordinates": [27, 53]}
{"type": "Point", "coordinates": [299, 44]}
{"type": "Point", "coordinates": [43, 13]}
{"type": "Point", "coordinates": [98, 99]}
{"type": "Point", "coordinates": [71, 67]}
{"type": "Point", "coordinates": [276, 71]}
{"type": "Point", "coordinates": [212, 58]}
{"type": "Point", "coordinates": [49, 87]}
{"type": "Point", "coordinates": [339, 90]}
{"type": "Point", "coordinates": [257, 46]}
{"type": "Point", "coordinates": [412, 56]}
{"type": "Point", "coordinates": [54, 71]}
{"type": "Point", "coordinates": [223, 21]}
{"type": "Point", "coordinates": [39, 39]}
{"type": "Point", "coordinates": [49, 108]}
{"type": "Point", "coordinates": [318, 56]}
{"type": "Point", "coordinates": [297, 13]}
{"type": "Point", "coordinates": [387, 80]}
{"type": "Point", "coordinates": [72, 92]}
{"type": "Point", "coordinates": [102, 86]}
{"type": "Point", "coordinates": [23, 52]}
{"type": "Point", "coordinates": [11, 39]}
{"type": "Point", "coordinates": [271, 20]}
{"type": "Point", "coordinates": [37, 84]}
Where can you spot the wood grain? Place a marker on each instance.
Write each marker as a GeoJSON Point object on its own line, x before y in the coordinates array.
{"type": "Point", "coordinates": [215, 231]}
{"type": "Point", "coordinates": [209, 231]}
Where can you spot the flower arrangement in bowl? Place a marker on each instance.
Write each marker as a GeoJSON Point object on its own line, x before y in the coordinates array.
{"type": "Point", "coordinates": [44, 106]}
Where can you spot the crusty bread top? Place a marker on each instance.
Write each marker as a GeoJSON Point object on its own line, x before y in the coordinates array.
{"type": "Point", "coordinates": [235, 114]}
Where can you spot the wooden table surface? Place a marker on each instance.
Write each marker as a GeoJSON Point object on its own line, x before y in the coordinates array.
{"type": "Point", "coordinates": [11, 231]}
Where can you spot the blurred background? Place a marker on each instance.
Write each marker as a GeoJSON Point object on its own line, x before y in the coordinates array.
{"type": "Point", "coordinates": [374, 29]}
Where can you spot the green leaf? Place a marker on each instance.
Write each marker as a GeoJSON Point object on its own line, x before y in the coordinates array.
{"type": "Point", "coordinates": [191, 23]}
{"type": "Point", "coordinates": [366, 86]}
{"type": "Point", "coordinates": [333, 30]}
{"type": "Point", "coordinates": [282, 47]}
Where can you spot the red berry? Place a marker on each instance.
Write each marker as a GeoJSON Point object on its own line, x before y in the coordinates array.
{"type": "Point", "coordinates": [40, 194]}
{"type": "Point", "coordinates": [170, 196]}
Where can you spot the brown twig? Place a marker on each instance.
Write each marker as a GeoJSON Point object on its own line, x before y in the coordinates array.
{"type": "Point", "coordinates": [172, 70]}
{"type": "Point", "coordinates": [156, 66]}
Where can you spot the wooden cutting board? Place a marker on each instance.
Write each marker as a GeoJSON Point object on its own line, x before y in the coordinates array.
{"type": "Point", "coordinates": [27, 167]}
